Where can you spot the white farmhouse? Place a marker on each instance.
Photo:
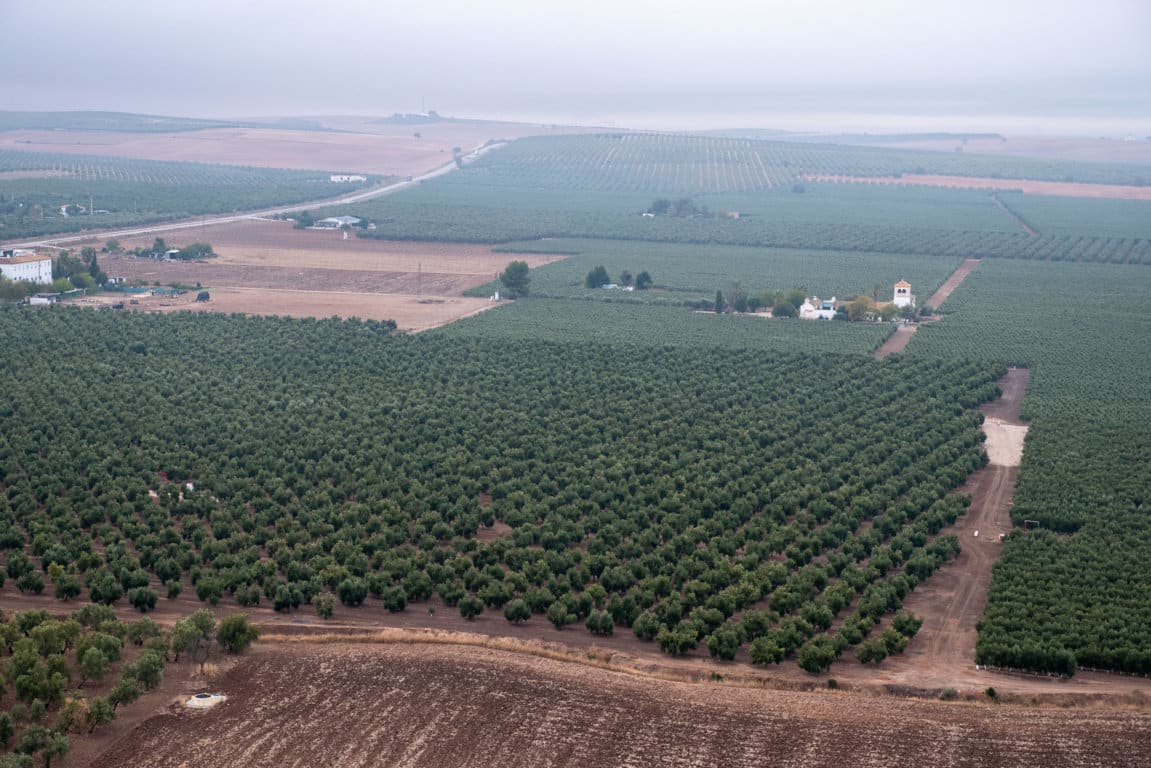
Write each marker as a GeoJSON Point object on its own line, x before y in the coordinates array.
{"type": "Point", "coordinates": [26, 266]}
{"type": "Point", "coordinates": [903, 296]}
{"type": "Point", "coordinates": [815, 309]}
{"type": "Point", "coordinates": [335, 222]}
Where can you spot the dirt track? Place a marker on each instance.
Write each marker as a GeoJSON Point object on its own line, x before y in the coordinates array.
{"type": "Point", "coordinates": [952, 601]}
{"type": "Point", "coordinates": [443, 706]}
{"type": "Point", "coordinates": [896, 342]}
{"type": "Point", "coordinates": [952, 282]}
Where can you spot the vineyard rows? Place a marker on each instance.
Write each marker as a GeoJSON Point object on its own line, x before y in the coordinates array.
{"type": "Point", "coordinates": [699, 497]}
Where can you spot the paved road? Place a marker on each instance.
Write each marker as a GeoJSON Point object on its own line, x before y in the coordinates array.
{"type": "Point", "coordinates": [204, 221]}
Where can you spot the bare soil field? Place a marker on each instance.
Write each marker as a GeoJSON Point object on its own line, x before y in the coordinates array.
{"type": "Point", "coordinates": [411, 313]}
{"type": "Point", "coordinates": [269, 268]}
{"type": "Point", "coordinates": [1054, 188]}
{"type": "Point", "coordinates": [395, 705]}
{"type": "Point", "coordinates": [391, 150]}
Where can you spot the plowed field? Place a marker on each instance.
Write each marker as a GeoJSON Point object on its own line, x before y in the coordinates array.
{"type": "Point", "coordinates": [380, 148]}
{"type": "Point", "coordinates": [269, 268]}
{"type": "Point", "coordinates": [360, 706]}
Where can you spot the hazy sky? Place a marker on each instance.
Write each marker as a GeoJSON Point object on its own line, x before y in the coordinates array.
{"type": "Point", "coordinates": [590, 58]}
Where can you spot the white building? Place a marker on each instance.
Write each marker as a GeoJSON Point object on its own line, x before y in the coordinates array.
{"type": "Point", "coordinates": [335, 222]}
{"type": "Point", "coordinates": [903, 296]}
{"type": "Point", "coordinates": [340, 177]}
{"type": "Point", "coordinates": [814, 309]}
{"type": "Point", "coordinates": [27, 266]}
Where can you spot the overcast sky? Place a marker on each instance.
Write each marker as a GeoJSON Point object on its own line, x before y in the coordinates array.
{"type": "Point", "coordinates": [589, 58]}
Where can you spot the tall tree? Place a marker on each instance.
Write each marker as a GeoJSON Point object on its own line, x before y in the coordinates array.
{"type": "Point", "coordinates": [515, 279]}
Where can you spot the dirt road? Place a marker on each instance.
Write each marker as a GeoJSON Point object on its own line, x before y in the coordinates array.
{"type": "Point", "coordinates": [898, 341]}
{"type": "Point", "coordinates": [952, 282]}
{"type": "Point", "coordinates": [952, 601]}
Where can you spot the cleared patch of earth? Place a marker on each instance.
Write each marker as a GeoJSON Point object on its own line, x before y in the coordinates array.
{"type": "Point", "coordinates": [1004, 442]}
{"type": "Point", "coordinates": [269, 268]}
{"type": "Point", "coordinates": [397, 705]}
{"type": "Point", "coordinates": [1054, 188]}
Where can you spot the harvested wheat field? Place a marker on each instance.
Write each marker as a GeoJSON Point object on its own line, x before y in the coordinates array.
{"type": "Point", "coordinates": [405, 705]}
{"type": "Point", "coordinates": [379, 148]}
{"type": "Point", "coordinates": [411, 313]}
{"type": "Point", "coordinates": [269, 268]}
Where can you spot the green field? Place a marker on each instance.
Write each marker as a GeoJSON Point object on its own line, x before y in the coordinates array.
{"type": "Point", "coordinates": [600, 187]}
{"type": "Point", "coordinates": [139, 191]}
{"type": "Point", "coordinates": [652, 488]}
{"type": "Point", "coordinates": [688, 273]}
{"type": "Point", "coordinates": [1081, 586]}
{"type": "Point", "coordinates": [646, 325]}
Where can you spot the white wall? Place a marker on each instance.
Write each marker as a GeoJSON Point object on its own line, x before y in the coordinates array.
{"type": "Point", "coordinates": [31, 271]}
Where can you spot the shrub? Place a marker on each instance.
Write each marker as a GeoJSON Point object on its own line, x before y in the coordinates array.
{"type": "Point", "coordinates": [235, 633]}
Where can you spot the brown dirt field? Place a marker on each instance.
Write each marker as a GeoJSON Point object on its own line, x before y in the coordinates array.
{"type": "Point", "coordinates": [387, 149]}
{"type": "Point", "coordinates": [1055, 188]}
{"type": "Point", "coordinates": [269, 268]}
{"type": "Point", "coordinates": [360, 706]}
{"type": "Point", "coordinates": [411, 313]}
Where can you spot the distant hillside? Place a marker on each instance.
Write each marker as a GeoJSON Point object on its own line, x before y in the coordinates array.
{"type": "Point", "coordinates": [107, 121]}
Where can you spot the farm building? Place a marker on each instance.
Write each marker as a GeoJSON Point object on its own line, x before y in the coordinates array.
{"type": "Point", "coordinates": [335, 222]}
{"type": "Point", "coordinates": [27, 266]}
{"type": "Point", "coordinates": [341, 177]}
{"type": "Point", "coordinates": [44, 299]}
{"type": "Point", "coordinates": [903, 296]}
{"type": "Point", "coordinates": [815, 309]}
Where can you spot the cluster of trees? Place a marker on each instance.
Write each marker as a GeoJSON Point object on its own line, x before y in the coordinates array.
{"type": "Point", "coordinates": [680, 208]}
{"type": "Point", "coordinates": [332, 463]}
{"type": "Point", "coordinates": [56, 667]}
{"type": "Point", "coordinates": [598, 277]}
{"type": "Point", "coordinates": [738, 299]}
{"type": "Point", "coordinates": [515, 280]}
{"type": "Point", "coordinates": [160, 247]}
{"type": "Point", "coordinates": [82, 272]}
